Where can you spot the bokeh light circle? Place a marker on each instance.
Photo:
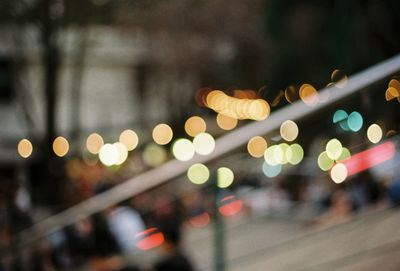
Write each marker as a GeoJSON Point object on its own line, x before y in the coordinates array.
{"type": "Point", "coordinates": [204, 143]}
{"type": "Point", "coordinates": [195, 125]}
{"type": "Point", "coordinates": [25, 148]}
{"type": "Point", "coordinates": [333, 148]}
{"type": "Point", "coordinates": [162, 134]}
{"type": "Point", "coordinates": [257, 146]}
{"type": "Point", "coordinates": [94, 142]}
{"type": "Point", "coordinates": [345, 154]}
{"type": "Point", "coordinates": [338, 173]}
{"type": "Point", "coordinates": [324, 161]}
{"type": "Point", "coordinates": [289, 130]}
{"type": "Point", "coordinates": [129, 139]}
{"type": "Point", "coordinates": [374, 133]}
{"type": "Point", "coordinates": [60, 146]}
{"type": "Point", "coordinates": [108, 154]}
{"type": "Point", "coordinates": [225, 177]}
{"type": "Point", "coordinates": [355, 121]}
{"type": "Point", "coordinates": [154, 155]}
{"type": "Point", "coordinates": [226, 123]}
{"type": "Point", "coordinates": [183, 149]}
{"type": "Point", "coordinates": [122, 153]}
{"type": "Point", "coordinates": [271, 171]}
{"type": "Point", "coordinates": [198, 174]}
{"type": "Point", "coordinates": [269, 155]}
{"type": "Point", "coordinates": [294, 154]}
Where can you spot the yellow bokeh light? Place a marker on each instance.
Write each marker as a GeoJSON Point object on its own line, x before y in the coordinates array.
{"type": "Point", "coordinates": [259, 109]}
{"type": "Point", "coordinates": [345, 154]}
{"type": "Point", "coordinates": [198, 174]}
{"type": "Point", "coordinates": [154, 155]}
{"type": "Point", "coordinates": [324, 162]}
{"type": "Point", "coordinates": [338, 173]}
{"type": "Point", "coordinates": [94, 142]}
{"type": "Point", "coordinates": [162, 134]}
{"type": "Point", "coordinates": [309, 94]}
{"type": "Point", "coordinates": [394, 83]}
{"type": "Point", "coordinates": [280, 155]}
{"type": "Point", "coordinates": [374, 133]}
{"type": "Point", "coordinates": [195, 125]}
{"type": "Point", "coordinates": [271, 153]}
{"type": "Point", "coordinates": [333, 149]}
{"type": "Point", "coordinates": [225, 122]}
{"type": "Point", "coordinates": [225, 177]}
{"type": "Point", "coordinates": [60, 146]}
{"type": "Point", "coordinates": [204, 144]}
{"type": "Point", "coordinates": [257, 146]}
{"type": "Point", "coordinates": [294, 154]}
{"type": "Point", "coordinates": [130, 139]}
{"type": "Point", "coordinates": [25, 148]}
{"type": "Point", "coordinates": [183, 149]}
{"type": "Point", "coordinates": [289, 130]}
{"type": "Point", "coordinates": [108, 154]}
{"type": "Point", "coordinates": [122, 153]}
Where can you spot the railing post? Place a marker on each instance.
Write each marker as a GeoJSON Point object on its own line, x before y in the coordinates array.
{"type": "Point", "coordinates": [219, 233]}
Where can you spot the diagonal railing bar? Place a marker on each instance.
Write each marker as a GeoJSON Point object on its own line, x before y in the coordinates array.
{"type": "Point", "coordinates": [224, 144]}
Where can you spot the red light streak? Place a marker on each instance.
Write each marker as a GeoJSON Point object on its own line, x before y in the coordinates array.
{"type": "Point", "coordinates": [151, 239]}
{"type": "Point", "coordinates": [369, 158]}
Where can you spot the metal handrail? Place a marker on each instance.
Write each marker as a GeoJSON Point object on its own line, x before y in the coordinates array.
{"type": "Point", "coordinates": [224, 144]}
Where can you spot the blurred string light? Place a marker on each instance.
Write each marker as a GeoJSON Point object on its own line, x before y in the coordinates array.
{"type": "Point", "coordinates": [254, 109]}
{"type": "Point", "coordinates": [309, 95]}
{"type": "Point", "coordinates": [289, 130]}
{"type": "Point", "coordinates": [183, 149]}
{"type": "Point", "coordinates": [225, 177]}
{"type": "Point", "coordinates": [130, 139]}
{"type": "Point", "coordinates": [162, 134]}
{"type": "Point", "coordinates": [25, 148]}
{"type": "Point", "coordinates": [94, 142]}
{"type": "Point", "coordinates": [339, 79]}
{"type": "Point", "coordinates": [60, 146]}
{"type": "Point", "coordinates": [257, 146]}
{"type": "Point", "coordinates": [271, 171]}
{"type": "Point", "coordinates": [154, 155]}
{"type": "Point", "coordinates": [203, 143]}
{"type": "Point", "coordinates": [225, 122]}
{"type": "Point", "coordinates": [393, 90]}
{"type": "Point", "coordinates": [338, 173]}
{"type": "Point", "coordinates": [374, 133]}
{"type": "Point", "coordinates": [230, 206]}
{"type": "Point", "coordinates": [195, 125]}
{"type": "Point", "coordinates": [198, 174]}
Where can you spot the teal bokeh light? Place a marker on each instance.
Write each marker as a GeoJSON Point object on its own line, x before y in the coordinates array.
{"type": "Point", "coordinates": [355, 121]}
{"type": "Point", "coordinates": [339, 116]}
{"type": "Point", "coordinates": [271, 171]}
